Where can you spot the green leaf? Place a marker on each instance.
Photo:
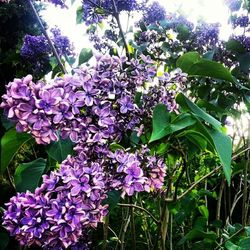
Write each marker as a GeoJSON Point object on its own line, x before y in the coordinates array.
{"type": "Point", "coordinates": [188, 105]}
{"type": "Point", "coordinates": [186, 61]}
{"type": "Point", "coordinates": [231, 246]}
{"type": "Point", "coordinates": [114, 197]}
{"type": "Point", "coordinates": [115, 146]}
{"type": "Point", "coordinates": [204, 211]}
{"type": "Point", "coordinates": [196, 234]}
{"type": "Point", "coordinates": [161, 118]}
{"type": "Point", "coordinates": [85, 55]}
{"type": "Point", "coordinates": [195, 137]}
{"type": "Point", "coordinates": [27, 175]}
{"type": "Point", "coordinates": [183, 32]}
{"type": "Point", "coordinates": [244, 61]}
{"type": "Point", "coordinates": [4, 240]}
{"type": "Point", "coordinates": [223, 146]}
{"type": "Point", "coordinates": [209, 55]}
{"type": "Point", "coordinates": [11, 142]}
{"type": "Point", "coordinates": [235, 46]}
{"type": "Point", "coordinates": [79, 15]}
{"type": "Point", "coordinates": [194, 65]}
{"type": "Point", "coordinates": [180, 122]}
{"type": "Point", "coordinates": [245, 243]}
{"type": "Point", "coordinates": [60, 150]}
{"type": "Point", "coordinates": [217, 142]}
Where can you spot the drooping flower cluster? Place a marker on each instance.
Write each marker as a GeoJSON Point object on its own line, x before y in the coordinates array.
{"type": "Point", "coordinates": [60, 3]}
{"type": "Point", "coordinates": [95, 104]}
{"type": "Point", "coordinates": [137, 172]}
{"type": "Point", "coordinates": [154, 13]}
{"type": "Point", "coordinates": [207, 35]}
{"type": "Point", "coordinates": [233, 5]}
{"type": "Point", "coordinates": [95, 11]}
{"type": "Point", "coordinates": [58, 213]}
{"type": "Point", "coordinates": [36, 50]}
{"type": "Point", "coordinates": [241, 21]}
{"type": "Point", "coordinates": [62, 43]}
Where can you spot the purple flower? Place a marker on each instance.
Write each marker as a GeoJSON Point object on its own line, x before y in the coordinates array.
{"type": "Point", "coordinates": [126, 104]}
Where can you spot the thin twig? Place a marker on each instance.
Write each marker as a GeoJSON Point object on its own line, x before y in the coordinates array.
{"type": "Point", "coordinates": [195, 184]}
{"type": "Point", "coordinates": [47, 37]}
{"type": "Point", "coordinates": [141, 208]}
{"type": "Point", "coordinates": [205, 177]}
{"type": "Point", "coordinates": [9, 179]}
{"type": "Point", "coordinates": [117, 17]}
{"type": "Point", "coordinates": [231, 237]}
{"type": "Point", "coordinates": [132, 224]}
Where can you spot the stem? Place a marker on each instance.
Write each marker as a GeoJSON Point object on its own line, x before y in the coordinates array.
{"type": "Point", "coordinates": [171, 233]}
{"type": "Point", "coordinates": [105, 232]}
{"type": "Point", "coordinates": [218, 208]}
{"type": "Point", "coordinates": [205, 177]}
{"type": "Point", "coordinates": [47, 37]}
{"type": "Point", "coordinates": [124, 232]}
{"type": "Point", "coordinates": [132, 223]}
{"type": "Point", "coordinates": [116, 15]}
{"type": "Point", "coordinates": [9, 179]}
{"type": "Point", "coordinates": [179, 178]}
{"type": "Point", "coordinates": [245, 182]}
{"type": "Point", "coordinates": [231, 237]}
{"type": "Point", "coordinates": [141, 208]}
{"type": "Point", "coordinates": [195, 184]}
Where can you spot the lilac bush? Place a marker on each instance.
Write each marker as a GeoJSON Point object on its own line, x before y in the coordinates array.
{"type": "Point", "coordinates": [93, 107]}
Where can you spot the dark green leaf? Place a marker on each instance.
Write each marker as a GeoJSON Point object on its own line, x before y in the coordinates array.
{"type": "Point", "coordinates": [188, 105]}
{"type": "Point", "coordinates": [115, 146]}
{"type": "Point", "coordinates": [161, 119]}
{"type": "Point", "coordinates": [27, 175]}
{"type": "Point", "coordinates": [183, 32]}
{"type": "Point", "coordinates": [223, 146]}
{"type": "Point", "coordinates": [60, 150]}
{"type": "Point", "coordinates": [114, 197]}
{"type": "Point", "coordinates": [4, 240]}
{"type": "Point", "coordinates": [196, 234]}
{"type": "Point", "coordinates": [245, 243]}
{"type": "Point", "coordinates": [244, 61]}
{"type": "Point", "coordinates": [11, 142]}
{"type": "Point", "coordinates": [186, 61]}
{"type": "Point", "coordinates": [235, 46]}
{"type": "Point", "coordinates": [180, 122]}
{"type": "Point", "coordinates": [194, 65]}
{"type": "Point", "coordinates": [85, 55]}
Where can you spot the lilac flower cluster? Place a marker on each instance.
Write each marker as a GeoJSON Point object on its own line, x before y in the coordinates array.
{"type": "Point", "coordinates": [137, 172]}
{"type": "Point", "coordinates": [154, 13]}
{"type": "Point", "coordinates": [233, 5]}
{"type": "Point", "coordinates": [163, 93]}
{"type": "Point", "coordinates": [59, 212]}
{"type": "Point", "coordinates": [35, 50]}
{"type": "Point", "coordinates": [207, 35]}
{"type": "Point", "coordinates": [95, 104]}
{"type": "Point", "coordinates": [60, 3]}
{"type": "Point", "coordinates": [241, 21]}
{"type": "Point", "coordinates": [62, 43]}
{"type": "Point", "coordinates": [96, 10]}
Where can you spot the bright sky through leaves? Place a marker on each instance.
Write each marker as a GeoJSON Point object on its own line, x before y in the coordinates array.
{"type": "Point", "coordinates": [209, 10]}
